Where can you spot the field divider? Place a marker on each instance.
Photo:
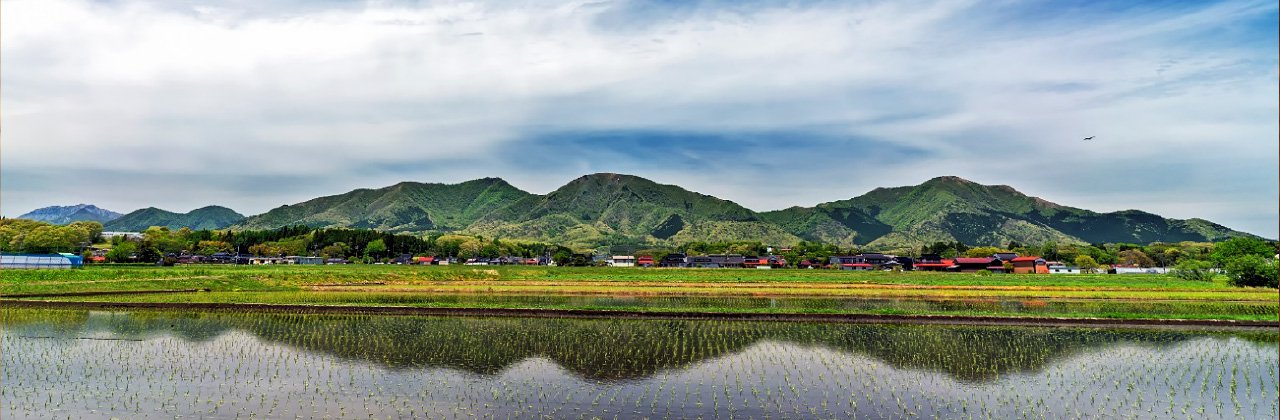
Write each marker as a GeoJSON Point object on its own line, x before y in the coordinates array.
{"type": "Point", "coordinates": [99, 293]}
{"type": "Point", "coordinates": [624, 314]}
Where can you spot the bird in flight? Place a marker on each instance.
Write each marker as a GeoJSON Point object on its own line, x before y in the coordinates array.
{"type": "Point", "coordinates": [1089, 138]}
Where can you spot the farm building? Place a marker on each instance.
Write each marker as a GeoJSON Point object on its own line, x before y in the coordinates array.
{"type": "Point", "coordinates": [1133, 269]}
{"type": "Point", "coordinates": [932, 262]}
{"type": "Point", "coordinates": [622, 261]}
{"type": "Point", "coordinates": [293, 259]}
{"type": "Point", "coordinates": [1063, 269]}
{"type": "Point", "coordinates": [973, 265]}
{"type": "Point", "coordinates": [37, 261]}
{"type": "Point", "coordinates": [673, 260]}
{"type": "Point", "coordinates": [1029, 265]}
{"type": "Point", "coordinates": [644, 261]}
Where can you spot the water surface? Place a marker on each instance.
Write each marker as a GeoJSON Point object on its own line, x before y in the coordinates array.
{"type": "Point", "coordinates": [159, 364]}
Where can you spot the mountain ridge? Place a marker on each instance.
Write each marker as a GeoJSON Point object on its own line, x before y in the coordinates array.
{"type": "Point", "coordinates": [604, 210]}
{"type": "Point", "coordinates": [207, 217]}
{"type": "Point", "coordinates": [61, 215]}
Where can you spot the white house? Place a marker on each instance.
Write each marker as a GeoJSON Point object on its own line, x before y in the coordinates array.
{"type": "Point", "coordinates": [622, 261]}
{"type": "Point", "coordinates": [1063, 269]}
{"type": "Point", "coordinates": [1120, 269]}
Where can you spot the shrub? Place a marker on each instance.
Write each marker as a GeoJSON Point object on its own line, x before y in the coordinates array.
{"type": "Point", "coordinates": [1193, 270]}
{"type": "Point", "coordinates": [1252, 271]}
{"type": "Point", "coordinates": [984, 273]}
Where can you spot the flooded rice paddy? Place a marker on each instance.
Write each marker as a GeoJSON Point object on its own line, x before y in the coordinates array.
{"type": "Point", "coordinates": [161, 364]}
{"type": "Point", "coordinates": [759, 304]}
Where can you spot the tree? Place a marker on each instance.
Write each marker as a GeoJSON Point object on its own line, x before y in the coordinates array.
{"type": "Point", "coordinates": [375, 248]}
{"type": "Point", "coordinates": [1225, 251]}
{"type": "Point", "coordinates": [1252, 271]}
{"type": "Point", "coordinates": [470, 248]}
{"type": "Point", "coordinates": [982, 251]}
{"type": "Point", "coordinates": [121, 251]}
{"type": "Point", "coordinates": [1086, 263]}
{"type": "Point", "coordinates": [1135, 257]}
{"type": "Point", "coordinates": [562, 257]}
{"type": "Point", "coordinates": [1171, 256]}
{"type": "Point", "coordinates": [212, 247]}
{"type": "Point", "coordinates": [1194, 270]}
{"type": "Point", "coordinates": [336, 250]}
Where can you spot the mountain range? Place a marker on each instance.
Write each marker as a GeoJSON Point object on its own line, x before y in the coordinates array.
{"type": "Point", "coordinates": [61, 215]}
{"type": "Point", "coordinates": [210, 217]}
{"type": "Point", "coordinates": [608, 210]}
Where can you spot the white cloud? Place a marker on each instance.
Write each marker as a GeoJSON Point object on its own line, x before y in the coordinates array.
{"type": "Point", "coordinates": [327, 96]}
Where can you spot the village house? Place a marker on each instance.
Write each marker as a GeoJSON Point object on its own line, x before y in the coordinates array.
{"type": "Point", "coordinates": [1063, 269]}
{"type": "Point", "coordinates": [932, 262]}
{"type": "Point", "coordinates": [1029, 265]}
{"type": "Point", "coordinates": [622, 261]}
{"type": "Point", "coordinates": [973, 265]}
{"type": "Point", "coordinates": [673, 260]}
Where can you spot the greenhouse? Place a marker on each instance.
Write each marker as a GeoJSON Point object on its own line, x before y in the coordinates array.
{"type": "Point", "coordinates": [33, 261]}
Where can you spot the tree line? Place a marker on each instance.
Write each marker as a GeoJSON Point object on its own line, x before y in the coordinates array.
{"type": "Point", "coordinates": [1248, 261]}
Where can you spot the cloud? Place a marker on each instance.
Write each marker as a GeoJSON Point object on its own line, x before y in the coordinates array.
{"type": "Point", "coordinates": [819, 101]}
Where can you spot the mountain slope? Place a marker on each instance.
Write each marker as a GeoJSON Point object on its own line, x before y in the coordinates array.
{"type": "Point", "coordinates": [211, 217]}
{"type": "Point", "coordinates": [61, 215]}
{"type": "Point", "coordinates": [597, 206]}
{"type": "Point", "coordinates": [955, 209]}
{"type": "Point", "coordinates": [621, 212]}
{"type": "Point", "coordinates": [404, 207]}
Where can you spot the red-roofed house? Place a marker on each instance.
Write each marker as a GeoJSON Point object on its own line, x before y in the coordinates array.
{"type": "Point", "coordinates": [939, 265]}
{"type": "Point", "coordinates": [973, 265]}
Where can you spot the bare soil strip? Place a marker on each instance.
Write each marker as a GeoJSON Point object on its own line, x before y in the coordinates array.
{"type": "Point", "coordinates": [605, 314]}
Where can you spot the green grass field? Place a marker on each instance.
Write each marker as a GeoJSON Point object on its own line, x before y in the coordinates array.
{"type": "Point", "coordinates": [1108, 296]}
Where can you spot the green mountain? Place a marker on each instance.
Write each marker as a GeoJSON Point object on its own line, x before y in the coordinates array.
{"type": "Point", "coordinates": [404, 207]}
{"type": "Point", "coordinates": [211, 217]}
{"type": "Point", "coordinates": [952, 208]}
{"type": "Point", "coordinates": [605, 207]}
{"type": "Point", "coordinates": [623, 212]}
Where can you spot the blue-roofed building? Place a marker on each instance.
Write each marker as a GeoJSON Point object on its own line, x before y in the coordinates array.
{"type": "Point", "coordinates": [37, 261]}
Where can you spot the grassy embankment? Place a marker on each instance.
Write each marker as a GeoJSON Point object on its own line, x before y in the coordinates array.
{"type": "Point", "coordinates": [747, 291]}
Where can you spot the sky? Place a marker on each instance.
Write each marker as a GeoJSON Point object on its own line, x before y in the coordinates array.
{"type": "Point", "coordinates": [257, 104]}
